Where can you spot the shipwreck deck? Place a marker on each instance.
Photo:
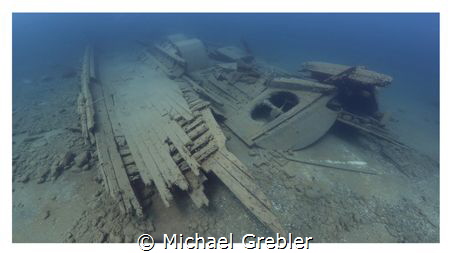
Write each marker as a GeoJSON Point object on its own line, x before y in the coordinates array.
{"type": "Point", "coordinates": [159, 133]}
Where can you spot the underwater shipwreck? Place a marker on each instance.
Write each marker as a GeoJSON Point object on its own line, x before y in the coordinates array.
{"type": "Point", "coordinates": [168, 134]}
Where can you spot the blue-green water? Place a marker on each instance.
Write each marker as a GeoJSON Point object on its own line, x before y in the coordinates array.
{"type": "Point", "coordinates": [405, 46]}
{"type": "Point", "coordinates": [47, 49]}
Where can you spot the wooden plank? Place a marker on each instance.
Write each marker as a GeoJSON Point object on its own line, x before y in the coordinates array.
{"type": "Point", "coordinates": [233, 173]}
{"type": "Point", "coordinates": [137, 157]}
{"type": "Point", "coordinates": [82, 113]}
{"type": "Point", "coordinates": [300, 84]}
{"type": "Point", "coordinates": [359, 75]}
{"type": "Point", "coordinates": [150, 148]}
{"type": "Point", "coordinates": [143, 170]}
{"type": "Point", "coordinates": [180, 107]}
{"type": "Point", "coordinates": [156, 143]}
{"type": "Point", "coordinates": [127, 159]}
{"type": "Point", "coordinates": [186, 155]}
{"type": "Point", "coordinates": [164, 101]}
{"type": "Point", "coordinates": [373, 132]}
{"type": "Point", "coordinates": [188, 128]}
{"type": "Point", "coordinates": [178, 134]}
{"type": "Point", "coordinates": [239, 171]}
{"type": "Point", "coordinates": [86, 89]}
{"type": "Point", "coordinates": [115, 177]}
{"type": "Point", "coordinates": [235, 176]}
{"type": "Point", "coordinates": [241, 168]}
{"type": "Point", "coordinates": [225, 93]}
{"type": "Point", "coordinates": [255, 205]}
{"type": "Point", "coordinates": [110, 182]}
{"type": "Point", "coordinates": [113, 167]}
{"type": "Point", "coordinates": [205, 152]}
{"type": "Point", "coordinates": [325, 68]}
{"type": "Point", "coordinates": [213, 127]}
{"type": "Point", "coordinates": [214, 98]}
{"type": "Point", "coordinates": [197, 132]}
{"type": "Point", "coordinates": [165, 127]}
{"type": "Point", "coordinates": [200, 106]}
{"type": "Point", "coordinates": [127, 192]}
{"type": "Point", "coordinates": [151, 166]}
{"type": "Point", "coordinates": [201, 141]}
{"type": "Point", "coordinates": [125, 152]}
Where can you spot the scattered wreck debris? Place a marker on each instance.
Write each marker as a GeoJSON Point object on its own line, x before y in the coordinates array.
{"type": "Point", "coordinates": [172, 138]}
{"type": "Point", "coordinates": [356, 99]}
{"type": "Point", "coordinates": [173, 147]}
{"type": "Point", "coordinates": [258, 108]}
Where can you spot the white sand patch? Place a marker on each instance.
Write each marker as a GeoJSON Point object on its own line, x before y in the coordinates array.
{"type": "Point", "coordinates": [355, 163]}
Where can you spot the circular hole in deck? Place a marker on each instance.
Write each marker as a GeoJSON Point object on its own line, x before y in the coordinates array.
{"type": "Point", "coordinates": [284, 100]}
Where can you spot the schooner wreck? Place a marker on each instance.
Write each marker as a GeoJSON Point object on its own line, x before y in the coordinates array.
{"type": "Point", "coordinates": [168, 133]}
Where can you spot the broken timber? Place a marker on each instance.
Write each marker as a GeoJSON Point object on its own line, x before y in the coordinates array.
{"type": "Point", "coordinates": [300, 84]}
{"type": "Point", "coordinates": [355, 75]}
{"type": "Point", "coordinates": [230, 170]}
{"type": "Point", "coordinates": [112, 168]}
{"type": "Point", "coordinates": [85, 102]}
{"type": "Point", "coordinates": [368, 126]}
{"type": "Point", "coordinates": [170, 144]}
